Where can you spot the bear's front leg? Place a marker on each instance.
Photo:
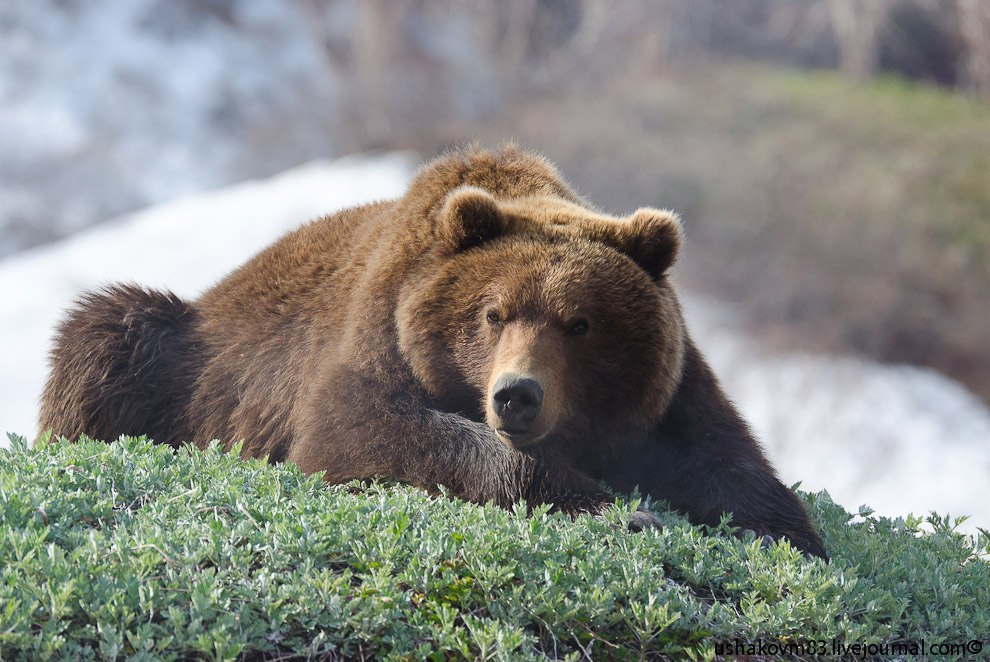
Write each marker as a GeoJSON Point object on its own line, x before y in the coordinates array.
{"type": "Point", "coordinates": [351, 427]}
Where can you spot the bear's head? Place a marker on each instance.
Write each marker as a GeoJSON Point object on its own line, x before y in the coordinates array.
{"type": "Point", "coordinates": [543, 318]}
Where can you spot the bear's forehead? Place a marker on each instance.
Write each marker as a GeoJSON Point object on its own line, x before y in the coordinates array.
{"type": "Point", "coordinates": [552, 215]}
{"type": "Point", "coordinates": [564, 275]}
{"type": "Point", "coordinates": [552, 258]}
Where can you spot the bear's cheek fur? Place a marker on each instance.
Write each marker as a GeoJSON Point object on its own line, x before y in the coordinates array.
{"type": "Point", "coordinates": [432, 343]}
{"type": "Point", "coordinates": [645, 357]}
{"type": "Point", "coordinates": [444, 339]}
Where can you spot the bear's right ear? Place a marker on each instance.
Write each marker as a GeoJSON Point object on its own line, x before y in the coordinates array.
{"type": "Point", "coordinates": [650, 237]}
{"type": "Point", "coordinates": [653, 239]}
{"type": "Point", "coordinates": [470, 216]}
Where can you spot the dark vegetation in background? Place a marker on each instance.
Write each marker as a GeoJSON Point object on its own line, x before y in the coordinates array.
{"type": "Point", "coordinates": [128, 549]}
{"type": "Point", "coordinates": [843, 212]}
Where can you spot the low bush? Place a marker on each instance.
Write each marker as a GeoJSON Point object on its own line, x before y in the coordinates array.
{"type": "Point", "coordinates": [131, 549]}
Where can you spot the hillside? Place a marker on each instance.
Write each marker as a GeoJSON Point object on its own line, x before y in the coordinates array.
{"type": "Point", "coordinates": [128, 549]}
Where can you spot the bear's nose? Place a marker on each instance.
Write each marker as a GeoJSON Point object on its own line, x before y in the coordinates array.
{"type": "Point", "coordinates": [517, 401]}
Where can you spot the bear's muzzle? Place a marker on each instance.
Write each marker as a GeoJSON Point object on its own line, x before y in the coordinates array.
{"type": "Point", "coordinates": [516, 401]}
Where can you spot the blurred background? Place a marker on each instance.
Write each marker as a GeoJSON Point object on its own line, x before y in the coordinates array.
{"type": "Point", "coordinates": [830, 158]}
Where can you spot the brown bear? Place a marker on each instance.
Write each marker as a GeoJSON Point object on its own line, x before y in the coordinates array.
{"type": "Point", "coordinates": [488, 332]}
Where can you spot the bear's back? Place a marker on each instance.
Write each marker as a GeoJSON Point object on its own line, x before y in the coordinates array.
{"type": "Point", "coordinates": [288, 277]}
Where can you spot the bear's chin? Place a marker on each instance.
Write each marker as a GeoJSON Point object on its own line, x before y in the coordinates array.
{"type": "Point", "coordinates": [519, 439]}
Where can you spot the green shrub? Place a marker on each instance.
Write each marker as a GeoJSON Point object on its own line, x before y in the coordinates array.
{"type": "Point", "coordinates": [129, 549]}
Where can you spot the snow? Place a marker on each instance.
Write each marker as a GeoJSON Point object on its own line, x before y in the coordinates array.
{"type": "Point", "coordinates": [108, 107]}
{"type": "Point", "coordinates": [896, 438]}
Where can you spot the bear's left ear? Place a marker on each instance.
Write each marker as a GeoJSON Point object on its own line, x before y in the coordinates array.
{"type": "Point", "coordinates": [470, 216]}
{"type": "Point", "coordinates": [652, 238]}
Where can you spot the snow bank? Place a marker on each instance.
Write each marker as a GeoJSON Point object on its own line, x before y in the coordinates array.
{"type": "Point", "coordinates": [899, 439]}
{"type": "Point", "coordinates": [108, 107]}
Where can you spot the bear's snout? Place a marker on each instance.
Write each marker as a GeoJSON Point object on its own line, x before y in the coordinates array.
{"type": "Point", "coordinates": [516, 401]}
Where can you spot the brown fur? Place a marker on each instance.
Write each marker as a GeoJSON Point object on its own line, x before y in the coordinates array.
{"type": "Point", "coordinates": [380, 342]}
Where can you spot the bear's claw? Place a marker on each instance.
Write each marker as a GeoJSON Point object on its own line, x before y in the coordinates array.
{"type": "Point", "coordinates": [643, 519]}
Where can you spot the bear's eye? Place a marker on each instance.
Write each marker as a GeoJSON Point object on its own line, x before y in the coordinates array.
{"type": "Point", "coordinates": [578, 328]}
{"type": "Point", "coordinates": [493, 317]}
